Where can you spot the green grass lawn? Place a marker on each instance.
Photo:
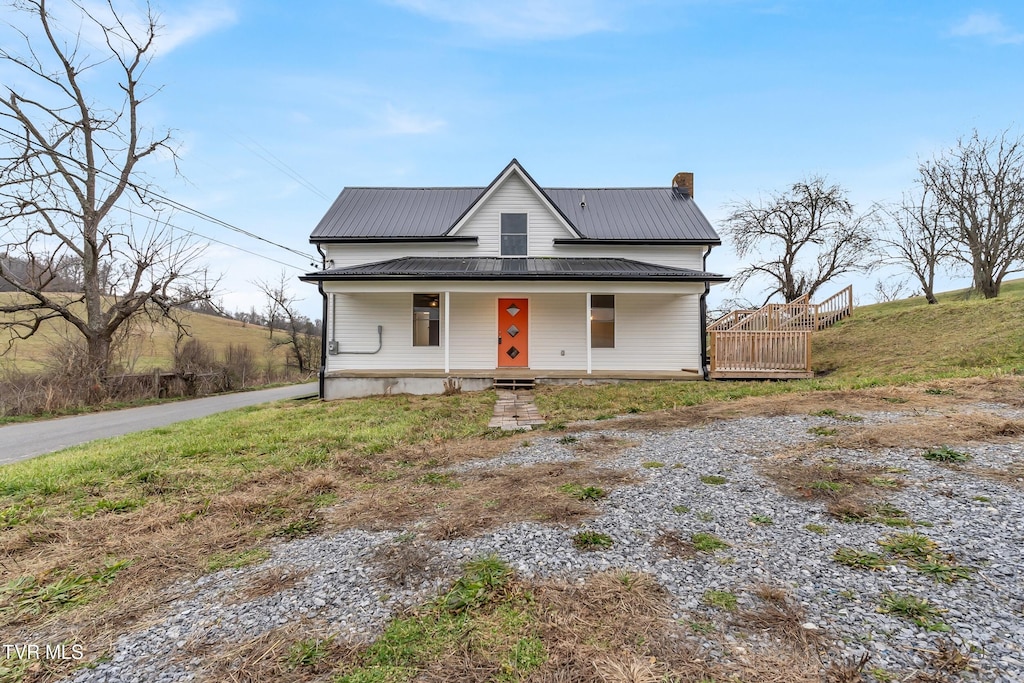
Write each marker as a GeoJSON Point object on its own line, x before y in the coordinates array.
{"type": "Point", "coordinates": [217, 453]}
{"type": "Point", "coordinates": [142, 510]}
{"type": "Point", "coordinates": [959, 336]}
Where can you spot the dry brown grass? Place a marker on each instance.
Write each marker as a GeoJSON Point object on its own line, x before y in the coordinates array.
{"type": "Point", "coordinates": [780, 617]}
{"type": "Point", "coordinates": [849, 491]}
{"type": "Point", "coordinates": [469, 503]}
{"type": "Point", "coordinates": [847, 670]}
{"type": "Point", "coordinates": [407, 563]}
{"type": "Point", "coordinates": [815, 479]}
{"type": "Point", "coordinates": [268, 657]}
{"type": "Point", "coordinates": [925, 431]}
{"type": "Point", "coordinates": [615, 627]}
{"type": "Point", "coordinates": [909, 398]}
{"type": "Point", "coordinates": [603, 621]}
{"type": "Point", "coordinates": [675, 546]}
{"type": "Point", "coordinates": [603, 626]}
{"type": "Point", "coordinates": [602, 446]}
{"type": "Point", "coordinates": [946, 661]}
{"type": "Point", "coordinates": [1012, 475]}
{"type": "Point", "coordinates": [173, 539]}
{"type": "Point", "coordinates": [270, 582]}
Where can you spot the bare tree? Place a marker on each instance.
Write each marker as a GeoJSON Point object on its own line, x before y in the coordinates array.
{"type": "Point", "coordinates": [890, 289]}
{"type": "Point", "coordinates": [67, 162]}
{"type": "Point", "coordinates": [979, 185]}
{"type": "Point", "coordinates": [802, 238]}
{"type": "Point", "coordinates": [300, 334]}
{"type": "Point", "coordinates": [916, 237]}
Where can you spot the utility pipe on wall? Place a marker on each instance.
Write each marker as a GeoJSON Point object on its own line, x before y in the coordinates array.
{"type": "Point", "coordinates": [334, 348]}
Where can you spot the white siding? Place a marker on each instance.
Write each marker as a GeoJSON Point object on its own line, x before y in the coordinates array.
{"type": "Point", "coordinates": [659, 332]}
{"type": "Point", "coordinates": [558, 323]}
{"type": "Point", "coordinates": [355, 327]}
{"type": "Point", "coordinates": [663, 255]}
{"type": "Point", "coordinates": [652, 332]}
{"type": "Point", "coordinates": [513, 196]}
{"type": "Point", "coordinates": [474, 331]}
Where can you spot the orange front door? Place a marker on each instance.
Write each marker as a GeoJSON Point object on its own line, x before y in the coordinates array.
{"type": "Point", "coordinates": [513, 333]}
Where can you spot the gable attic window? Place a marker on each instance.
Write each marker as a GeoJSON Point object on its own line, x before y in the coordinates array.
{"type": "Point", "coordinates": [513, 234]}
{"type": "Point", "coordinates": [602, 321]}
{"type": "Point", "coordinates": [426, 320]}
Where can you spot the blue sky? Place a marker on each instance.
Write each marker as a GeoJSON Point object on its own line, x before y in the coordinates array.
{"type": "Point", "coordinates": [278, 105]}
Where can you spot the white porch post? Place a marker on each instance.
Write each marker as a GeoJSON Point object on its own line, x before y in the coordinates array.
{"type": "Point", "coordinates": [447, 330]}
{"type": "Point", "coordinates": [587, 323]}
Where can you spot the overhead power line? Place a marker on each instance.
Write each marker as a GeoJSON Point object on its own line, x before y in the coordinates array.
{"type": "Point", "coordinates": [14, 137]}
{"type": "Point", "coordinates": [281, 166]}
{"type": "Point", "coordinates": [189, 231]}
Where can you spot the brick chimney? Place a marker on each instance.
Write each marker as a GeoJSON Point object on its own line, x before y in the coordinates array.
{"type": "Point", "coordinates": [683, 183]}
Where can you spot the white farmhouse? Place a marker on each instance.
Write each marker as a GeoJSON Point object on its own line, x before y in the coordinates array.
{"type": "Point", "coordinates": [510, 284]}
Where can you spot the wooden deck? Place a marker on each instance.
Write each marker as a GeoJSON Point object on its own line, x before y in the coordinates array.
{"type": "Point", "coordinates": [773, 342]}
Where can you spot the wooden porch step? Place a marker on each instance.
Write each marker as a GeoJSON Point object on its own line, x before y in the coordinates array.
{"type": "Point", "coordinates": [514, 383]}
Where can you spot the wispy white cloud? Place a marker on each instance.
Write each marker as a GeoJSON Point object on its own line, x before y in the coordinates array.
{"type": "Point", "coordinates": [399, 122]}
{"type": "Point", "coordinates": [521, 19]}
{"type": "Point", "coordinates": [199, 20]}
{"type": "Point", "coordinates": [186, 22]}
{"type": "Point", "coordinates": [988, 26]}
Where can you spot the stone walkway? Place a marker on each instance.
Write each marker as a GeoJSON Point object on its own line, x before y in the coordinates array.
{"type": "Point", "coordinates": [515, 410]}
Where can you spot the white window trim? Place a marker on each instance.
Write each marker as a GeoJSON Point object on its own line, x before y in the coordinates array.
{"type": "Point", "coordinates": [441, 320]}
{"type": "Point", "coordinates": [527, 254]}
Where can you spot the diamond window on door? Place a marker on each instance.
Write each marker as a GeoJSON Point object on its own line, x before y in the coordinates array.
{"type": "Point", "coordinates": [512, 352]}
{"type": "Point", "coordinates": [512, 330]}
{"type": "Point", "coordinates": [512, 310]}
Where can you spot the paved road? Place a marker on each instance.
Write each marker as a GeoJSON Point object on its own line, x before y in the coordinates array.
{"type": "Point", "coordinates": [28, 439]}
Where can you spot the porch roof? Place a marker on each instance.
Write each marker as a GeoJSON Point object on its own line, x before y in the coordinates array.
{"type": "Point", "coordinates": [491, 268]}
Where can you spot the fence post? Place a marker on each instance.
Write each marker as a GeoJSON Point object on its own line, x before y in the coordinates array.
{"type": "Point", "coordinates": [807, 342]}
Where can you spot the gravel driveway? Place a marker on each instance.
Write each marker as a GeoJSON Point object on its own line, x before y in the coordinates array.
{"type": "Point", "coordinates": [774, 537]}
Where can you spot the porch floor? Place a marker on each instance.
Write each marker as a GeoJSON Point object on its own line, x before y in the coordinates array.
{"type": "Point", "coordinates": [526, 373]}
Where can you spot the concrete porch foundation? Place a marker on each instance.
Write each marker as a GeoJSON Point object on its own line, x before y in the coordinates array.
{"type": "Point", "coordinates": [354, 384]}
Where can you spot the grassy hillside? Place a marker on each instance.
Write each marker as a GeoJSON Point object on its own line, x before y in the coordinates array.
{"type": "Point", "coordinates": [151, 344]}
{"type": "Point", "coordinates": [957, 336]}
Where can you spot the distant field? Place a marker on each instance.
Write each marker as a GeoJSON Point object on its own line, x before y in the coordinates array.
{"type": "Point", "coordinates": [151, 345]}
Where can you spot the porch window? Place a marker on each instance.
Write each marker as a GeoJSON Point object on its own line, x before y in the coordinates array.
{"type": "Point", "coordinates": [426, 319]}
{"type": "Point", "coordinates": [513, 234]}
{"type": "Point", "coordinates": [602, 321]}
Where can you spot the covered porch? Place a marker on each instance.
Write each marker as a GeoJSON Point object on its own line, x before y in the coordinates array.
{"type": "Point", "coordinates": [559, 320]}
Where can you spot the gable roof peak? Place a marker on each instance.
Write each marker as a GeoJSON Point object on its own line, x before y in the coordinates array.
{"type": "Point", "coordinates": [513, 166]}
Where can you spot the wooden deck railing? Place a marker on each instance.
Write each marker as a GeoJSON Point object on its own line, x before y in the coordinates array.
{"type": "Point", "coordinates": [775, 340]}
{"type": "Point", "coordinates": [761, 351]}
{"type": "Point", "coordinates": [775, 316]}
{"type": "Point", "coordinates": [730, 319]}
{"type": "Point", "coordinates": [836, 307]}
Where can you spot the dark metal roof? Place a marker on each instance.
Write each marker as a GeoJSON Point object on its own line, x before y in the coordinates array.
{"type": "Point", "coordinates": [486, 268]}
{"type": "Point", "coordinates": [394, 212]}
{"type": "Point", "coordinates": [632, 214]}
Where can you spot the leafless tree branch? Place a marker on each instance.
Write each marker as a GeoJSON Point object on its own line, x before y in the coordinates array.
{"type": "Point", "coordinates": [801, 238]}
{"type": "Point", "coordinates": [979, 186]}
{"type": "Point", "coordinates": [66, 162]}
